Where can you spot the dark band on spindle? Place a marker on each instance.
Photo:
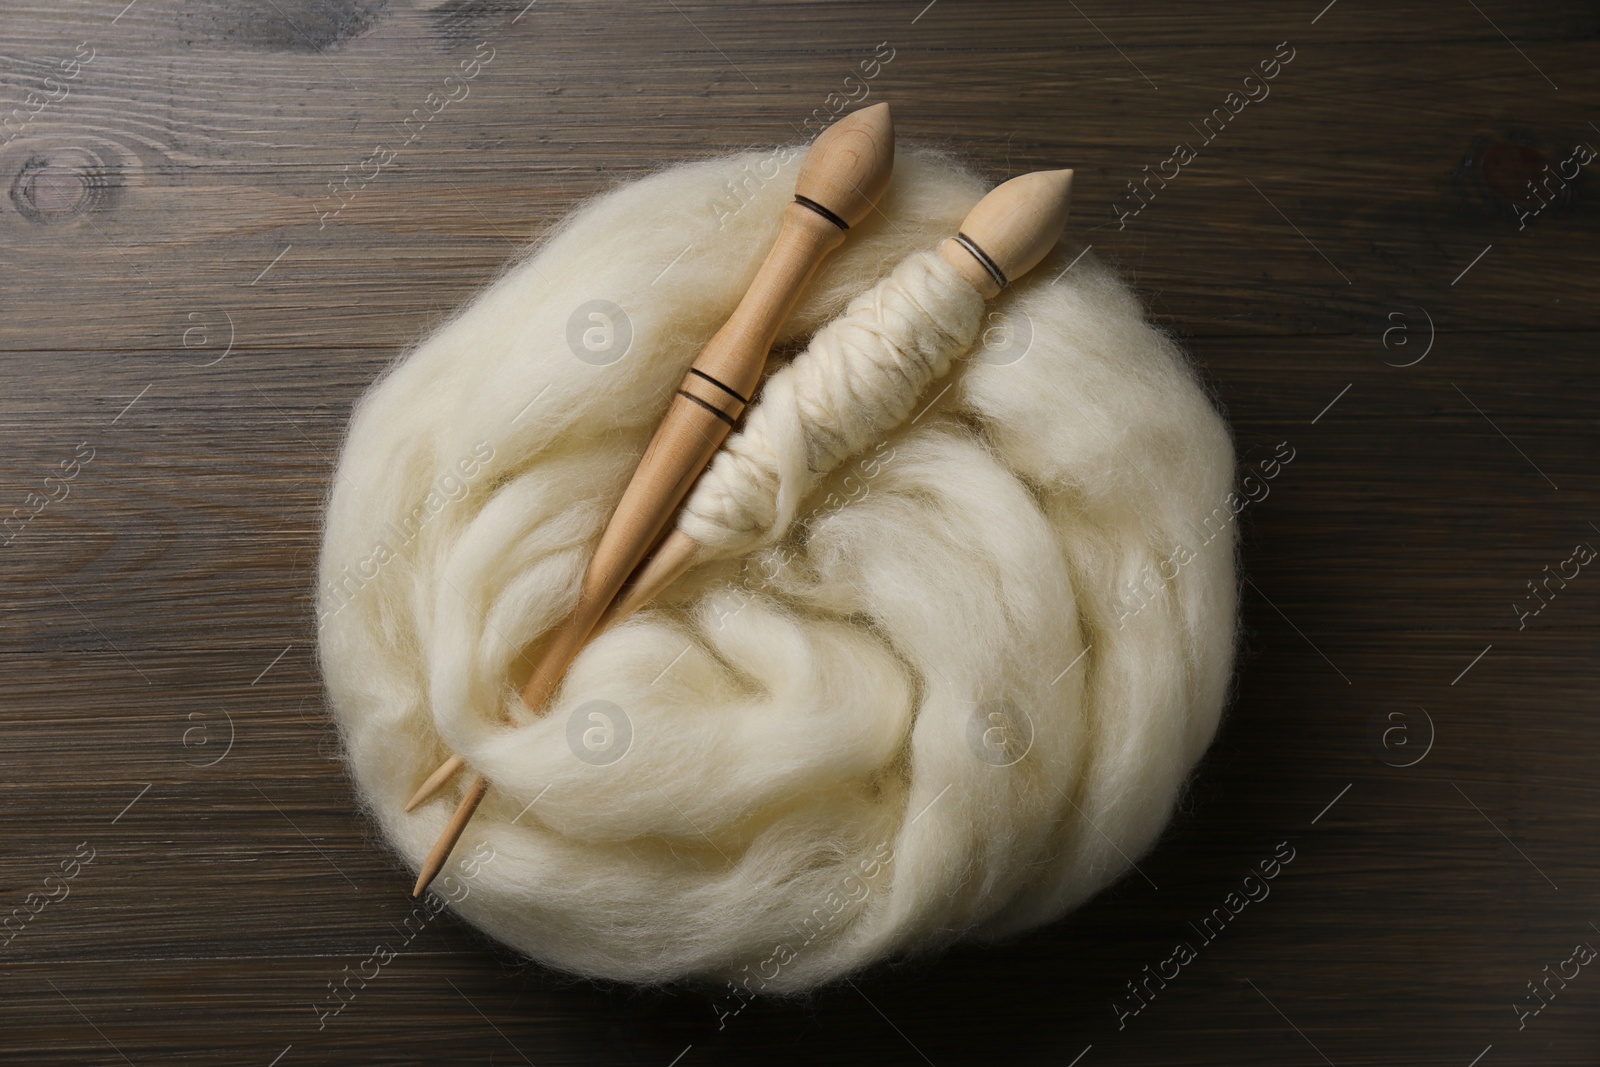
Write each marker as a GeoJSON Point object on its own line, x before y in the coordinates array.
{"type": "Point", "coordinates": [982, 257]}
{"type": "Point", "coordinates": [718, 412]}
{"type": "Point", "coordinates": [820, 210]}
{"type": "Point", "coordinates": [712, 395]}
{"type": "Point", "coordinates": [719, 385]}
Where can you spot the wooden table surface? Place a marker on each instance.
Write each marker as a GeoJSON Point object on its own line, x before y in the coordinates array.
{"type": "Point", "coordinates": [1357, 262]}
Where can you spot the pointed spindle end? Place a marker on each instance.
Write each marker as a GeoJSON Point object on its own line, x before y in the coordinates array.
{"type": "Point", "coordinates": [848, 167]}
{"type": "Point", "coordinates": [1015, 226]}
{"type": "Point", "coordinates": [435, 781]}
{"type": "Point", "coordinates": [452, 833]}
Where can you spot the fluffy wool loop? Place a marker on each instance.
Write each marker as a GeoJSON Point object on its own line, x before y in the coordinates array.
{"type": "Point", "coordinates": [858, 378]}
{"type": "Point", "coordinates": [954, 692]}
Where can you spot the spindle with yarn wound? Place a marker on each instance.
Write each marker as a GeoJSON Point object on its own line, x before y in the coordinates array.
{"type": "Point", "coordinates": [1004, 236]}
{"type": "Point", "coordinates": [846, 171]}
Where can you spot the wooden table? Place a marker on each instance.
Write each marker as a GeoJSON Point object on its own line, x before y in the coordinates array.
{"type": "Point", "coordinates": [1354, 259]}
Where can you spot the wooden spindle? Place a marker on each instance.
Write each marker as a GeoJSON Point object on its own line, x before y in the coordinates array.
{"type": "Point", "coordinates": [844, 174]}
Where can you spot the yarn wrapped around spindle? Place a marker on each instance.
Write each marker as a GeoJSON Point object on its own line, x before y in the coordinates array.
{"type": "Point", "coordinates": [858, 379]}
{"type": "Point", "coordinates": [949, 689]}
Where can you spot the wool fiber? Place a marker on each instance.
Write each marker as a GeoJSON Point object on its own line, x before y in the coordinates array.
{"type": "Point", "coordinates": [946, 690]}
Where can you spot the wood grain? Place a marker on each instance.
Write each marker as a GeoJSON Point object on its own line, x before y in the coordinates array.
{"type": "Point", "coordinates": [178, 299]}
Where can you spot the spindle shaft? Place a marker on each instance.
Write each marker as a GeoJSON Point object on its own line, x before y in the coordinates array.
{"type": "Point", "coordinates": [844, 174]}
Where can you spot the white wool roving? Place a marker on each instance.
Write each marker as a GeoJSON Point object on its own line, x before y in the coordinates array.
{"type": "Point", "coordinates": [945, 691]}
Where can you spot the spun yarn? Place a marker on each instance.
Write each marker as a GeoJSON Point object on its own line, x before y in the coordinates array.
{"type": "Point", "coordinates": [858, 378]}
{"type": "Point", "coordinates": [923, 708]}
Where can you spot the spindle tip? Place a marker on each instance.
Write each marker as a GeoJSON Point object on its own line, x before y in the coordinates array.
{"type": "Point", "coordinates": [1017, 224]}
{"type": "Point", "coordinates": [435, 781]}
{"type": "Point", "coordinates": [848, 167]}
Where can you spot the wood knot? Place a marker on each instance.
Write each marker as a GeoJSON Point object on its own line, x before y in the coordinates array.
{"type": "Point", "coordinates": [309, 26]}
{"type": "Point", "coordinates": [1517, 175]}
{"type": "Point", "coordinates": [1510, 169]}
{"type": "Point", "coordinates": [59, 187]}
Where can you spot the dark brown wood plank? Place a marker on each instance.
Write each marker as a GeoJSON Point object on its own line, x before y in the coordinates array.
{"type": "Point", "coordinates": [171, 300]}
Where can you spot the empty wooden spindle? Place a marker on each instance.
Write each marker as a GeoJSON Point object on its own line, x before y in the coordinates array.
{"type": "Point", "coordinates": [843, 176]}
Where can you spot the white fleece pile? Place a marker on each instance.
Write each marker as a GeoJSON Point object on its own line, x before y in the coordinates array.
{"type": "Point", "coordinates": [931, 709]}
